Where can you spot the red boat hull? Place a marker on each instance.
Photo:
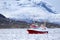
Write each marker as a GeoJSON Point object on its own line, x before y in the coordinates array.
{"type": "Point", "coordinates": [37, 32]}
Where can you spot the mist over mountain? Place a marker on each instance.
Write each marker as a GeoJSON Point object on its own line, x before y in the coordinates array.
{"type": "Point", "coordinates": [29, 10]}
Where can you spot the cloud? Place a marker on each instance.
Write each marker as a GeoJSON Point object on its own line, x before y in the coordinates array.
{"type": "Point", "coordinates": [28, 10]}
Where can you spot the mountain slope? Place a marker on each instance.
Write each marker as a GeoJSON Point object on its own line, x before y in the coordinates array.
{"type": "Point", "coordinates": [31, 10]}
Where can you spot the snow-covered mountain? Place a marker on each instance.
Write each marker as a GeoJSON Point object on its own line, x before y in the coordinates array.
{"type": "Point", "coordinates": [28, 10]}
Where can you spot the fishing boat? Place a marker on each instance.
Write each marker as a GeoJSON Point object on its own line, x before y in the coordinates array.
{"type": "Point", "coordinates": [41, 30]}
{"type": "Point", "coordinates": [36, 32]}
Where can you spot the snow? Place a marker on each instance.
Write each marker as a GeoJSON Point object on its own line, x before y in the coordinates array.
{"type": "Point", "coordinates": [22, 34]}
{"type": "Point", "coordinates": [25, 9]}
